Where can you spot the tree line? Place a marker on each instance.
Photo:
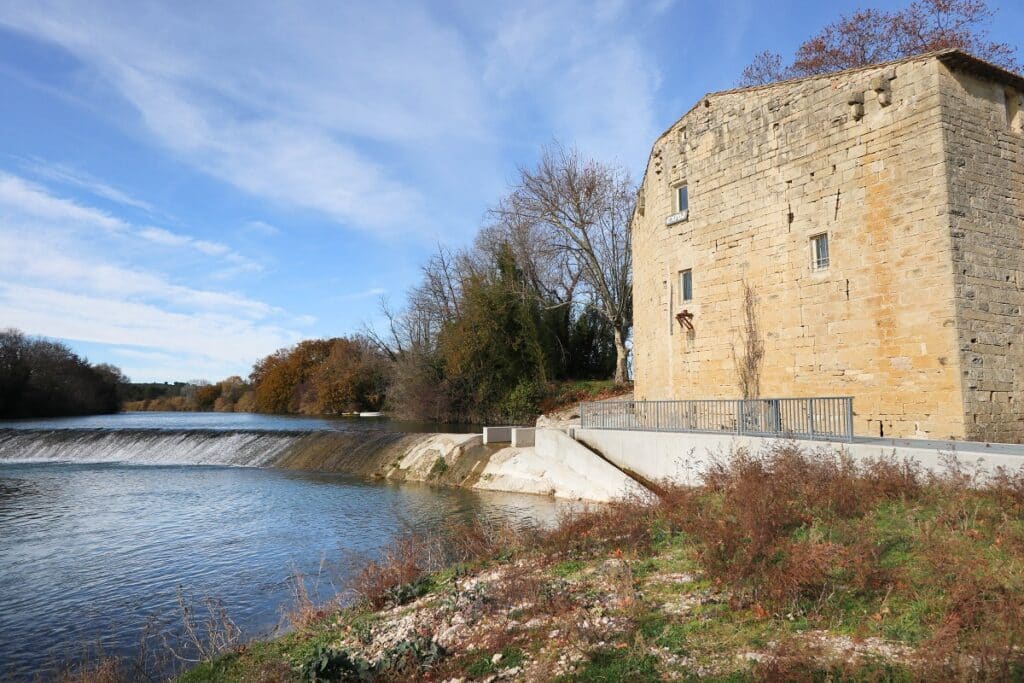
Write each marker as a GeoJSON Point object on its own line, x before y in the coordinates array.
{"type": "Point", "coordinates": [44, 378]}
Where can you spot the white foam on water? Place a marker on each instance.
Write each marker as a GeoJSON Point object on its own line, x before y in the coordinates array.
{"type": "Point", "coordinates": [145, 447]}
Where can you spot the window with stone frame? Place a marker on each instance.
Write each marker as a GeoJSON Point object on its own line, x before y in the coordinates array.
{"type": "Point", "coordinates": [819, 252]}
{"type": "Point", "coordinates": [686, 285]}
{"type": "Point", "coordinates": [682, 198]}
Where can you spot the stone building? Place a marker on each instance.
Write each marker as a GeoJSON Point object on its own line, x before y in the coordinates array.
{"type": "Point", "coordinates": [863, 227]}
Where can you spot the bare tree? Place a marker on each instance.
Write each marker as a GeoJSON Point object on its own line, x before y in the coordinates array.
{"type": "Point", "coordinates": [548, 271]}
{"type": "Point", "coordinates": [579, 210]}
{"type": "Point", "coordinates": [870, 35]}
{"type": "Point", "coordinates": [766, 68]}
{"type": "Point", "coordinates": [430, 305]}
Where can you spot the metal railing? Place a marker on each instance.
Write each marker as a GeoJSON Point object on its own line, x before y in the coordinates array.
{"type": "Point", "coordinates": [822, 418]}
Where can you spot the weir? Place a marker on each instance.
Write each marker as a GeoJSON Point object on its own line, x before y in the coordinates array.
{"type": "Point", "coordinates": [359, 452]}
{"type": "Point", "coordinates": [555, 466]}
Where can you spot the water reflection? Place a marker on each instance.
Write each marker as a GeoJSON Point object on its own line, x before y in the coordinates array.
{"type": "Point", "coordinates": [93, 551]}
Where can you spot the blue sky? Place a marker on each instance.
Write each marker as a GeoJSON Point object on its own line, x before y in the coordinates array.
{"type": "Point", "coordinates": [188, 186]}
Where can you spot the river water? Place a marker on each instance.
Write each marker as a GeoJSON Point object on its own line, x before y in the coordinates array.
{"type": "Point", "coordinates": [92, 551]}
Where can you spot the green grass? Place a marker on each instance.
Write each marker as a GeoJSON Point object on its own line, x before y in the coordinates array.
{"type": "Point", "coordinates": [568, 568]}
{"type": "Point", "coordinates": [482, 664]}
{"type": "Point", "coordinates": [616, 665]}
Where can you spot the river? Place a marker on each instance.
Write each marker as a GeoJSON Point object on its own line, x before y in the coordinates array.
{"type": "Point", "coordinates": [94, 548]}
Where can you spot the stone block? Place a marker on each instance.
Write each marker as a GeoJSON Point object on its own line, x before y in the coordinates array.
{"type": "Point", "coordinates": [497, 435]}
{"type": "Point", "coordinates": [523, 436]}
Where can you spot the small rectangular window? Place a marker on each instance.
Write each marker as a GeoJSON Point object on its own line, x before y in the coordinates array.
{"type": "Point", "coordinates": [686, 284]}
{"type": "Point", "coordinates": [819, 252]}
{"type": "Point", "coordinates": [682, 199]}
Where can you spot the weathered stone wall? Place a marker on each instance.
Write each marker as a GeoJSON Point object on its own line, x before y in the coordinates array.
{"type": "Point", "coordinates": [767, 169]}
{"type": "Point", "coordinates": [984, 142]}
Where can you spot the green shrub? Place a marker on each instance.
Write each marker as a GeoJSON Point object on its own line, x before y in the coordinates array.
{"type": "Point", "coordinates": [411, 657]}
{"type": "Point", "coordinates": [405, 593]}
{"type": "Point", "coordinates": [522, 403]}
{"type": "Point", "coordinates": [330, 664]}
{"type": "Point", "coordinates": [439, 468]}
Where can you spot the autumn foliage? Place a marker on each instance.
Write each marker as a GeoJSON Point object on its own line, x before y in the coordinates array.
{"type": "Point", "coordinates": [322, 377]}
{"type": "Point", "coordinates": [869, 36]}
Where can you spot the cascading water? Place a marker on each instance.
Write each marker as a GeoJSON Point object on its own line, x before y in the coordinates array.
{"type": "Point", "coordinates": [353, 452]}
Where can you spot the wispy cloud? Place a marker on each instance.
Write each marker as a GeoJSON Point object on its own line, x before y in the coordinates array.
{"type": "Point", "coordinates": [261, 228]}
{"type": "Point", "coordinates": [231, 340]}
{"type": "Point", "coordinates": [20, 196]}
{"type": "Point", "coordinates": [33, 257]}
{"type": "Point", "coordinates": [596, 78]}
{"type": "Point", "coordinates": [68, 175]}
{"type": "Point", "coordinates": [365, 294]}
{"type": "Point", "coordinates": [236, 262]}
{"type": "Point", "coordinates": [29, 198]}
{"type": "Point", "coordinates": [272, 102]}
{"type": "Point", "coordinates": [60, 276]}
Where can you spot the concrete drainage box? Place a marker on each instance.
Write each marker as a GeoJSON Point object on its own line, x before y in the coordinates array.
{"type": "Point", "coordinates": [523, 436]}
{"type": "Point", "coordinates": [497, 434]}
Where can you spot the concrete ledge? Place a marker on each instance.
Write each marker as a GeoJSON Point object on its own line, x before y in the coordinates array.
{"type": "Point", "coordinates": [523, 436]}
{"type": "Point", "coordinates": [682, 458]}
{"type": "Point", "coordinates": [497, 435]}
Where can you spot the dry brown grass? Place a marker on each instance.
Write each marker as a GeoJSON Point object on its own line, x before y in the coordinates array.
{"type": "Point", "coordinates": [789, 532]}
{"type": "Point", "coordinates": [308, 608]}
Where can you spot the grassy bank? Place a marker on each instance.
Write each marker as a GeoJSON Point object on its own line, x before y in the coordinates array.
{"type": "Point", "coordinates": [786, 565]}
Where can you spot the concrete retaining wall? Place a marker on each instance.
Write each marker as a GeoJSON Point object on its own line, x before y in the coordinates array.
{"type": "Point", "coordinates": [497, 435]}
{"type": "Point", "coordinates": [683, 458]}
{"type": "Point", "coordinates": [523, 436]}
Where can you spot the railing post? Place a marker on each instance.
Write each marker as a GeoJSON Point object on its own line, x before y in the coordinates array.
{"type": "Point", "coordinates": [810, 416]}
{"type": "Point", "coordinates": [849, 419]}
{"type": "Point", "coordinates": [739, 416]}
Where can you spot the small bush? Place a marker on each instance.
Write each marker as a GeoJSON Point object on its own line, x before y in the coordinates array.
{"type": "Point", "coordinates": [521, 404]}
{"type": "Point", "coordinates": [329, 664]}
{"type": "Point", "coordinates": [402, 563]}
{"type": "Point", "coordinates": [408, 659]}
{"type": "Point", "coordinates": [405, 593]}
{"type": "Point", "coordinates": [439, 468]}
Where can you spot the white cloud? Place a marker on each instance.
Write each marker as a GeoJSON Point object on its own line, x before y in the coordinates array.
{"type": "Point", "coordinates": [63, 173]}
{"type": "Point", "coordinates": [206, 247]}
{"type": "Point", "coordinates": [589, 66]}
{"type": "Point", "coordinates": [35, 257]}
{"type": "Point", "coordinates": [60, 280]}
{"type": "Point", "coordinates": [365, 294]}
{"type": "Point", "coordinates": [261, 228]}
{"type": "Point", "coordinates": [20, 195]}
{"type": "Point", "coordinates": [223, 338]}
{"type": "Point", "coordinates": [296, 107]}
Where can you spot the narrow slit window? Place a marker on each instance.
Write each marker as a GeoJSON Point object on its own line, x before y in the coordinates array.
{"type": "Point", "coordinates": [682, 199]}
{"type": "Point", "coordinates": [686, 285]}
{"type": "Point", "coordinates": [819, 252]}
